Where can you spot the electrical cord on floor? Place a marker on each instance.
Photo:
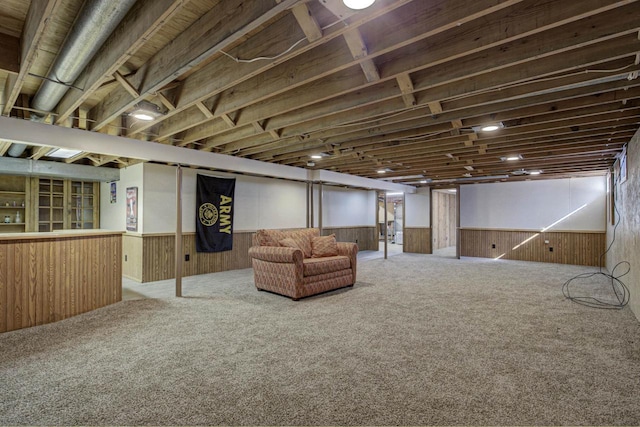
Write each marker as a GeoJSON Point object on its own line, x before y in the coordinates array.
{"type": "Point", "coordinates": [620, 290]}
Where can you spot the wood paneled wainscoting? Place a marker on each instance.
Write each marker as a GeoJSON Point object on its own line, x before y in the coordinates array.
{"type": "Point", "coordinates": [150, 257]}
{"type": "Point", "coordinates": [46, 277]}
{"type": "Point", "coordinates": [365, 237]}
{"type": "Point", "coordinates": [561, 247]}
{"type": "Point", "coordinates": [417, 240]}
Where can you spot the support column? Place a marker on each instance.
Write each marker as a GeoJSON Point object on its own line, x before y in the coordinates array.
{"type": "Point", "coordinates": [320, 195]}
{"type": "Point", "coordinates": [386, 231]}
{"type": "Point", "coordinates": [178, 244]}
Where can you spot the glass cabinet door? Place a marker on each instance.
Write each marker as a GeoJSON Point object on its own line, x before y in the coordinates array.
{"type": "Point", "coordinates": [66, 204]}
{"type": "Point", "coordinates": [82, 204]}
{"type": "Point", "coordinates": [50, 204]}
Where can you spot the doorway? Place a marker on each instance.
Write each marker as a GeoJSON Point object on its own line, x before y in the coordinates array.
{"type": "Point", "coordinates": [444, 222]}
{"type": "Point", "coordinates": [391, 233]}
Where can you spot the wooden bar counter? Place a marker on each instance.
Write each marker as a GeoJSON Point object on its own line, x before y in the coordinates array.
{"type": "Point", "coordinates": [46, 277]}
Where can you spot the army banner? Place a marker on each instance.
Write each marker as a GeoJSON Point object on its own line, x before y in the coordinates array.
{"type": "Point", "coordinates": [214, 214]}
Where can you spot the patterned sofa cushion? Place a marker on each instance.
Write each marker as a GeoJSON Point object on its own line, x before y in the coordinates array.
{"type": "Point", "coordinates": [268, 237]}
{"type": "Point", "coordinates": [324, 246]}
{"type": "Point", "coordinates": [302, 237]}
{"type": "Point", "coordinates": [315, 266]}
{"type": "Point", "coordinates": [303, 240]}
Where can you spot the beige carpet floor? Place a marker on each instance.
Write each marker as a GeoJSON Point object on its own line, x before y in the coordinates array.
{"type": "Point", "coordinates": [419, 340]}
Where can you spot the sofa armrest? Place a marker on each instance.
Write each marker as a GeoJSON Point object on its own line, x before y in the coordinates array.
{"type": "Point", "coordinates": [349, 249]}
{"type": "Point", "coordinates": [276, 254]}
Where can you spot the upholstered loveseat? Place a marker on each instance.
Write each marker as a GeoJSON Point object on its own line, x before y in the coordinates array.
{"type": "Point", "coordinates": [299, 263]}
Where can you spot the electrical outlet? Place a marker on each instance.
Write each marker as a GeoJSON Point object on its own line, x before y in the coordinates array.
{"type": "Point", "coordinates": [356, 240]}
{"type": "Point", "coordinates": [493, 246]}
{"type": "Point", "coordinates": [186, 257]}
{"type": "Point", "coordinates": [125, 258]}
{"type": "Point", "coordinates": [551, 249]}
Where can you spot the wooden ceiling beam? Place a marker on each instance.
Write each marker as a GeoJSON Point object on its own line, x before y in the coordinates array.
{"type": "Point", "coordinates": [41, 152]}
{"type": "Point", "coordinates": [331, 57]}
{"type": "Point", "coordinates": [211, 33]}
{"type": "Point", "coordinates": [360, 53]}
{"type": "Point", "coordinates": [436, 157]}
{"type": "Point", "coordinates": [450, 145]}
{"type": "Point", "coordinates": [124, 83]}
{"type": "Point", "coordinates": [609, 98]}
{"type": "Point", "coordinates": [346, 103]}
{"type": "Point", "coordinates": [33, 31]}
{"type": "Point", "coordinates": [544, 29]}
{"type": "Point", "coordinates": [406, 88]}
{"type": "Point", "coordinates": [280, 125]}
{"type": "Point", "coordinates": [143, 21]}
{"type": "Point", "coordinates": [307, 22]}
{"type": "Point", "coordinates": [433, 155]}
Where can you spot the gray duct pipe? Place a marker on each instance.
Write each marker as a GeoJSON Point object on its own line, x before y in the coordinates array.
{"type": "Point", "coordinates": [96, 21]}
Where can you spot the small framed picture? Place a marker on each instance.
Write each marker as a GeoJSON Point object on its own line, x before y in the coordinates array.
{"type": "Point", "coordinates": [112, 198]}
{"type": "Point", "coordinates": [132, 209]}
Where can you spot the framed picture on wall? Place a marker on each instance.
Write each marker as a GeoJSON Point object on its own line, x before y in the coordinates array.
{"type": "Point", "coordinates": [112, 197]}
{"type": "Point", "coordinates": [132, 209]}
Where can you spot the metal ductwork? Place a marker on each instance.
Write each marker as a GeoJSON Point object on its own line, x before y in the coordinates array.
{"type": "Point", "coordinates": [96, 21]}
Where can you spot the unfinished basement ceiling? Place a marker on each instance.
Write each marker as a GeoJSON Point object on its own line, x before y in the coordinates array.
{"type": "Point", "coordinates": [402, 87]}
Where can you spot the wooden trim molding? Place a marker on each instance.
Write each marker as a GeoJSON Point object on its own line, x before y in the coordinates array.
{"type": "Point", "coordinates": [562, 247]}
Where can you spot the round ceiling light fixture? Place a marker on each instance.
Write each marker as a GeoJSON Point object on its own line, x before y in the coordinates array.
{"type": "Point", "coordinates": [358, 4]}
{"type": "Point", "coordinates": [143, 116]}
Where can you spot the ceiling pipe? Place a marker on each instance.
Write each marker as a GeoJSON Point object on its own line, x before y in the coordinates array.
{"type": "Point", "coordinates": [96, 21]}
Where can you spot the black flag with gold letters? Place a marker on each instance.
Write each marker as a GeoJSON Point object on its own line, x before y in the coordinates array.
{"type": "Point", "coordinates": [214, 214]}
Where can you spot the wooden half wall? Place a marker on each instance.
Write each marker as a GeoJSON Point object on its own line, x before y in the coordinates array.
{"type": "Point", "coordinates": [46, 277]}
{"type": "Point", "coordinates": [150, 257]}
{"type": "Point", "coordinates": [365, 237]}
{"type": "Point", "coordinates": [561, 247]}
{"type": "Point", "coordinates": [417, 240]}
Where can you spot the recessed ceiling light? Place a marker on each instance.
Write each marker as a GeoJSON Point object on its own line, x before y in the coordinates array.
{"type": "Point", "coordinates": [382, 171]}
{"type": "Point", "coordinates": [64, 153]}
{"type": "Point", "coordinates": [424, 181]}
{"type": "Point", "coordinates": [358, 4]}
{"type": "Point", "coordinates": [491, 127]}
{"type": "Point", "coordinates": [142, 116]}
{"type": "Point", "coordinates": [511, 158]}
{"type": "Point", "coordinates": [316, 156]}
{"type": "Point", "coordinates": [534, 173]}
{"type": "Point", "coordinates": [145, 110]}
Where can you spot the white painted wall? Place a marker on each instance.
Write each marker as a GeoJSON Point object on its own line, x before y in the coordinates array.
{"type": "Point", "coordinates": [416, 209]}
{"type": "Point", "coordinates": [573, 204]}
{"type": "Point", "coordinates": [113, 215]}
{"type": "Point", "coordinates": [345, 207]}
{"type": "Point", "coordinates": [259, 202]}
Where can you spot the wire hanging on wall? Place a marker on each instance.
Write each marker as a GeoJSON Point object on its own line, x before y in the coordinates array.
{"type": "Point", "coordinates": [620, 290]}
